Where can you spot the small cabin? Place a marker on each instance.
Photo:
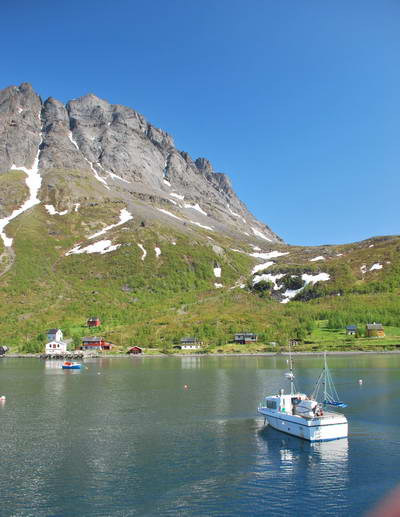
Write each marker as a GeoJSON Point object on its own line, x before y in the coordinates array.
{"type": "Point", "coordinates": [3, 349]}
{"type": "Point", "coordinates": [135, 350]}
{"type": "Point", "coordinates": [55, 335]}
{"type": "Point", "coordinates": [244, 338]}
{"type": "Point", "coordinates": [95, 343]}
{"type": "Point", "coordinates": [351, 330]}
{"type": "Point", "coordinates": [55, 347]}
{"type": "Point", "coordinates": [374, 330]}
{"type": "Point", "coordinates": [189, 343]}
{"type": "Point", "coordinates": [93, 322]}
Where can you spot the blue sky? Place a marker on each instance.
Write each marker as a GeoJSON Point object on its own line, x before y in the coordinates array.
{"type": "Point", "coordinates": [297, 101]}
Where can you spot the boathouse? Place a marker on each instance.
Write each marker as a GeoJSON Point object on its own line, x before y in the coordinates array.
{"type": "Point", "coordinates": [244, 338]}
{"type": "Point", "coordinates": [135, 350]}
{"type": "Point", "coordinates": [95, 343]}
{"type": "Point", "coordinates": [55, 347]}
{"type": "Point", "coordinates": [93, 322]}
{"type": "Point", "coordinates": [374, 330]}
{"type": "Point", "coordinates": [55, 335]}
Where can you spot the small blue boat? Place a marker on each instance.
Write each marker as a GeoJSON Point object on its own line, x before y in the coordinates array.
{"type": "Point", "coordinates": [68, 365]}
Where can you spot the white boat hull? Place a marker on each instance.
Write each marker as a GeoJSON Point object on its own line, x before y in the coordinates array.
{"type": "Point", "coordinates": [331, 426]}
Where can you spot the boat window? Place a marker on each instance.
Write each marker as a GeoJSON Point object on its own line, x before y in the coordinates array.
{"type": "Point", "coordinates": [271, 404]}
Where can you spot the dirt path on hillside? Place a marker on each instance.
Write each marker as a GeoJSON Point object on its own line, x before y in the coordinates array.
{"type": "Point", "coordinates": [7, 259]}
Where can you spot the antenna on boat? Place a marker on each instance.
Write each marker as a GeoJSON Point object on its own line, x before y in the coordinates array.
{"type": "Point", "coordinates": [290, 375]}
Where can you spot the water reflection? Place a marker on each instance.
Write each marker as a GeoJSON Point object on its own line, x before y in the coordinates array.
{"type": "Point", "coordinates": [190, 362]}
{"type": "Point", "coordinates": [301, 458]}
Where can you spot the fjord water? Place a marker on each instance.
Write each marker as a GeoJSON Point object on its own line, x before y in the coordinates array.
{"type": "Point", "coordinates": [124, 437]}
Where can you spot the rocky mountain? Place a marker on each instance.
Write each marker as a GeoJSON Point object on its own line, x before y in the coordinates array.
{"type": "Point", "coordinates": [100, 215]}
{"type": "Point", "coordinates": [93, 150]}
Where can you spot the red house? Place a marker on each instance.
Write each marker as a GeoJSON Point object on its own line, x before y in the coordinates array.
{"type": "Point", "coordinates": [95, 343]}
{"type": "Point", "coordinates": [135, 350]}
{"type": "Point", "coordinates": [93, 322]}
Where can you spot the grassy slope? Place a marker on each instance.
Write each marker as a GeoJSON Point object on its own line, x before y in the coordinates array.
{"type": "Point", "coordinates": [158, 300]}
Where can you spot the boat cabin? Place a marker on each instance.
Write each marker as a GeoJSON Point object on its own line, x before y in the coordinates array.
{"type": "Point", "coordinates": [298, 404]}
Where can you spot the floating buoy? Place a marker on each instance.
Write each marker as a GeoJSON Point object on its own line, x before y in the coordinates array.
{"type": "Point", "coordinates": [360, 381]}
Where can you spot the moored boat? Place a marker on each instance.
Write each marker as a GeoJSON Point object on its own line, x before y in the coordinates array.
{"type": "Point", "coordinates": [300, 415]}
{"type": "Point", "coordinates": [69, 365]}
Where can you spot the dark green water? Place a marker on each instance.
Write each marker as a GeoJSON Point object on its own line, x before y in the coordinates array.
{"type": "Point", "coordinates": [124, 437]}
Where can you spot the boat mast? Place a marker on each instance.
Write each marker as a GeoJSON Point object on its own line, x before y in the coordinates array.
{"type": "Point", "coordinates": [324, 377]}
{"type": "Point", "coordinates": [291, 371]}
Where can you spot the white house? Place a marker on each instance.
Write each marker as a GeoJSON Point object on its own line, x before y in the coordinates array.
{"type": "Point", "coordinates": [55, 347]}
{"type": "Point", "coordinates": [54, 335]}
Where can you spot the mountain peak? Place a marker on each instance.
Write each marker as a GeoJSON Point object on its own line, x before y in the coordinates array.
{"type": "Point", "coordinates": [127, 159]}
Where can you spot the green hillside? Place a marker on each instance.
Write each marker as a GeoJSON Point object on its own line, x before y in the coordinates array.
{"type": "Point", "coordinates": [155, 301]}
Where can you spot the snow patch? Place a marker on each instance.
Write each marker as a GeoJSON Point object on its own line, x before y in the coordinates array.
{"type": "Point", "coordinates": [313, 279]}
{"type": "Point", "coordinates": [339, 254]}
{"type": "Point", "coordinates": [178, 196]}
{"type": "Point", "coordinates": [261, 267]}
{"type": "Point", "coordinates": [218, 286]}
{"type": "Point", "coordinates": [255, 248]}
{"type": "Point", "coordinates": [124, 216]}
{"type": "Point", "coordinates": [33, 182]}
{"type": "Point", "coordinates": [169, 213]}
{"type": "Point", "coordinates": [371, 246]}
{"type": "Point", "coordinates": [158, 251]}
{"type": "Point", "coordinates": [376, 266]}
{"type": "Point", "coordinates": [217, 271]}
{"type": "Point", "coordinates": [269, 255]}
{"type": "Point", "coordinates": [269, 278]}
{"type": "Point", "coordinates": [53, 211]}
{"type": "Point", "coordinates": [116, 177]}
{"type": "Point", "coordinates": [363, 269]}
{"type": "Point", "coordinates": [202, 226]}
{"type": "Point", "coordinates": [96, 175]}
{"type": "Point", "coordinates": [144, 251]}
{"type": "Point", "coordinates": [71, 138]}
{"type": "Point", "coordinates": [98, 247]}
{"type": "Point", "coordinates": [308, 279]}
{"type": "Point", "coordinates": [195, 207]}
{"type": "Point", "coordinates": [167, 183]}
{"type": "Point", "coordinates": [76, 207]}
{"type": "Point", "coordinates": [260, 234]}
{"type": "Point", "coordinates": [315, 259]}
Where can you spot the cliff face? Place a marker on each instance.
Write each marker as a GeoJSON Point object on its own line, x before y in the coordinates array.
{"type": "Point", "coordinates": [126, 157]}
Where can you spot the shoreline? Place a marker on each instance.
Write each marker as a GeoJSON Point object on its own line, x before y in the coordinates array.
{"type": "Point", "coordinates": [234, 354]}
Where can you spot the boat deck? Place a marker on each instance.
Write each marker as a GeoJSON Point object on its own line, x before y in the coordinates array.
{"type": "Point", "coordinates": [326, 416]}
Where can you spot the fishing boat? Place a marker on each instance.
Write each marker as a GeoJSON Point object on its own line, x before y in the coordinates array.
{"type": "Point", "coordinates": [301, 415]}
{"type": "Point", "coordinates": [69, 365]}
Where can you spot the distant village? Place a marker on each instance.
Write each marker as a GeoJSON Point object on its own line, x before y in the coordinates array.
{"type": "Point", "coordinates": [57, 346]}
